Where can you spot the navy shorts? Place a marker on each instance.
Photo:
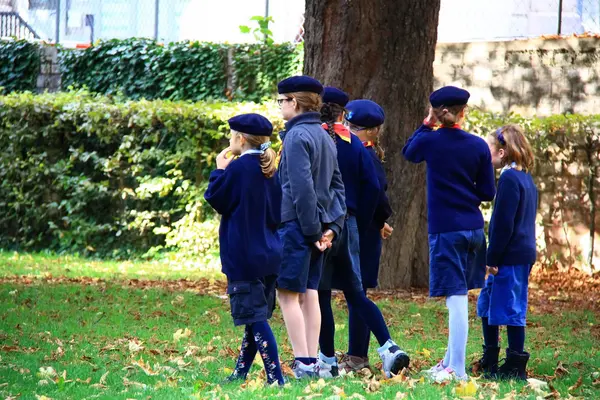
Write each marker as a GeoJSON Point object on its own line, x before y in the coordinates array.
{"type": "Point", "coordinates": [252, 301]}
{"type": "Point", "coordinates": [301, 263]}
{"type": "Point", "coordinates": [342, 263]}
{"type": "Point", "coordinates": [503, 300]}
{"type": "Point", "coordinates": [456, 262]}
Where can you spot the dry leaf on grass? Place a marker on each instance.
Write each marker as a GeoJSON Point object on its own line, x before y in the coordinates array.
{"type": "Point", "coordinates": [577, 384]}
{"type": "Point", "coordinates": [181, 334]}
{"type": "Point", "coordinates": [466, 389]}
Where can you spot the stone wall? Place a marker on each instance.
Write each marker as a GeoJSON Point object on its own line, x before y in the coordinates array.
{"type": "Point", "coordinates": [530, 77]}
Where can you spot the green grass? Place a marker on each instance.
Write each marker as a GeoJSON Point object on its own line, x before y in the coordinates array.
{"type": "Point", "coordinates": [87, 331]}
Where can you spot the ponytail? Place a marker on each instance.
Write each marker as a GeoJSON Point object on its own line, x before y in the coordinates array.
{"type": "Point", "coordinates": [267, 162]}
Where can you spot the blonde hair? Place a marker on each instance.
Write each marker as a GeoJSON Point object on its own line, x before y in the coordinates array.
{"type": "Point", "coordinates": [378, 149]}
{"type": "Point", "coordinates": [267, 158]}
{"type": "Point", "coordinates": [307, 101]}
{"type": "Point", "coordinates": [451, 116]}
{"type": "Point", "coordinates": [516, 147]}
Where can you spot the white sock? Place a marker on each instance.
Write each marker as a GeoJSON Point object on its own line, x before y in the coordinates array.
{"type": "Point", "coordinates": [327, 360]}
{"type": "Point", "coordinates": [446, 360]}
{"type": "Point", "coordinates": [458, 322]}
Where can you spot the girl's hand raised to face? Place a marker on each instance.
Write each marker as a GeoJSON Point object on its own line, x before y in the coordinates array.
{"type": "Point", "coordinates": [224, 158]}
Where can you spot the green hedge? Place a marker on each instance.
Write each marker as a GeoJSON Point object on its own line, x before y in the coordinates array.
{"type": "Point", "coordinates": [143, 68]}
{"type": "Point", "coordinates": [19, 65]}
{"type": "Point", "coordinates": [83, 172]}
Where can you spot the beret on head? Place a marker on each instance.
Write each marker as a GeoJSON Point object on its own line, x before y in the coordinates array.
{"type": "Point", "coordinates": [335, 96]}
{"type": "Point", "coordinates": [301, 83]}
{"type": "Point", "coordinates": [449, 96]}
{"type": "Point", "coordinates": [365, 113]}
{"type": "Point", "coordinates": [251, 124]}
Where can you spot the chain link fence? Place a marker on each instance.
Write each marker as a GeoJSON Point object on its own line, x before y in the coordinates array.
{"type": "Point", "coordinates": [84, 21]}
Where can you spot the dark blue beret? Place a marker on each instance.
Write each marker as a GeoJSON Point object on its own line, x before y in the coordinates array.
{"type": "Point", "coordinates": [365, 113]}
{"type": "Point", "coordinates": [449, 96]}
{"type": "Point", "coordinates": [251, 124]}
{"type": "Point", "coordinates": [301, 83]}
{"type": "Point", "coordinates": [335, 95]}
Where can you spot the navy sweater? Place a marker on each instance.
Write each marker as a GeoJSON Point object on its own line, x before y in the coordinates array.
{"type": "Point", "coordinates": [383, 211]}
{"type": "Point", "coordinates": [512, 227]}
{"type": "Point", "coordinates": [460, 176]}
{"type": "Point", "coordinates": [250, 205]}
{"type": "Point", "coordinates": [359, 177]}
{"type": "Point", "coordinates": [313, 191]}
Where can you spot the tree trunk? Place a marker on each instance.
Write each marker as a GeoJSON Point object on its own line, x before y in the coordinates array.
{"type": "Point", "coordinates": [383, 50]}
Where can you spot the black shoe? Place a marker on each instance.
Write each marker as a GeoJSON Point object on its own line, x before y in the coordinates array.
{"type": "Point", "coordinates": [487, 366]}
{"type": "Point", "coordinates": [515, 366]}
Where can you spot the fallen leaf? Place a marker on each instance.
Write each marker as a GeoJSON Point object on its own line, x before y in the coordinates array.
{"type": "Point", "coordinates": [560, 370]}
{"type": "Point", "coordinates": [103, 378]}
{"type": "Point", "coordinates": [576, 385]}
{"type": "Point", "coordinates": [42, 397]}
{"type": "Point", "coordinates": [537, 386]}
{"type": "Point", "coordinates": [128, 383]}
{"type": "Point", "coordinates": [401, 395]}
{"type": "Point", "coordinates": [43, 382]}
{"type": "Point", "coordinates": [373, 386]}
{"type": "Point", "coordinates": [357, 396]}
{"type": "Point", "coordinates": [135, 347]}
{"type": "Point", "coordinates": [227, 370]}
{"type": "Point", "coordinates": [47, 372]}
{"type": "Point", "coordinates": [206, 359]}
{"type": "Point", "coordinates": [87, 381]}
{"type": "Point", "coordinates": [145, 367]}
{"type": "Point", "coordinates": [181, 334]}
{"type": "Point", "coordinates": [466, 389]}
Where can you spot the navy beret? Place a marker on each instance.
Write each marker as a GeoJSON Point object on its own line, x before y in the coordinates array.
{"type": "Point", "coordinates": [251, 124]}
{"type": "Point", "coordinates": [449, 96]}
{"type": "Point", "coordinates": [335, 95]}
{"type": "Point", "coordinates": [301, 83]}
{"type": "Point", "coordinates": [364, 113]}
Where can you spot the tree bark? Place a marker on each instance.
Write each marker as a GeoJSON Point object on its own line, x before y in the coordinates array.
{"type": "Point", "coordinates": [383, 50]}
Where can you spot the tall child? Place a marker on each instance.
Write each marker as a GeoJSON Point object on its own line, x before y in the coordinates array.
{"type": "Point", "coordinates": [511, 254]}
{"type": "Point", "coordinates": [312, 213]}
{"type": "Point", "coordinates": [247, 193]}
{"type": "Point", "coordinates": [459, 177]}
{"type": "Point", "coordinates": [342, 265]}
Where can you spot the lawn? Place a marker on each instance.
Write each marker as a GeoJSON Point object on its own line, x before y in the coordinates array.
{"type": "Point", "coordinates": [71, 328]}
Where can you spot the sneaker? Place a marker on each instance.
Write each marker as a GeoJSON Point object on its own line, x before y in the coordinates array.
{"type": "Point", "coordinates": [447, 375]}
{"type": "Point", "coordinates": [327, 371]}
{"type": "Point", "coordinates": [434, 370]}
{"type": "Point", "coordinates": [302, 371]}
{"type": "Point", "coordinates": [349, 363]}
{"type": "Point", "coordinates": [394, 359]}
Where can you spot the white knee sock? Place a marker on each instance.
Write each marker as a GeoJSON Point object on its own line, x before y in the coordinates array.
{"type": "Point", "coordinates": [458, 322]}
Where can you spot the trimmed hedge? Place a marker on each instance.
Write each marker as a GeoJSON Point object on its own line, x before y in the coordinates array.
{"type": "Point", "coordinates": [90, 173]}
{"type": "Point", "coordinates": [143, 68]}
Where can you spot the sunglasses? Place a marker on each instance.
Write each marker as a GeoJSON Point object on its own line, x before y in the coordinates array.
{"type": "Point", "coordinates": [281, 101]}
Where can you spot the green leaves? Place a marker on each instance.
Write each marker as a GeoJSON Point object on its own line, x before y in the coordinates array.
{"type": "Point", "coordinates": [109, 176]}
{"type": "Point", "coordinates": [19, 65]}
{"type": "Point", "coordinates": [197, 71]}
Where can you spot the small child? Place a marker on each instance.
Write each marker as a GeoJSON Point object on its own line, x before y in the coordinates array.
{"type": "Point", "coordinates": [313, 211]}
{"type": "Point", "coordinates": [247, 194]}
{"type": "Point", "coordinates": [459, 177]}
{"type": "Point", "coordinates": [510, 255]}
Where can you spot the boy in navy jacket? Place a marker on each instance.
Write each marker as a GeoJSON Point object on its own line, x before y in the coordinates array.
{"type": "Point", "coordinates": [247, 194]}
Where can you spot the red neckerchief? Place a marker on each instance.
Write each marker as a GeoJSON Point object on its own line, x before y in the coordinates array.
{"type": "Point", "coordinates": [340, 130]}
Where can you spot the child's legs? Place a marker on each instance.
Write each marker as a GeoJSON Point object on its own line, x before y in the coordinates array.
{"type": "Point", "coordinates": [370, 314]}
{"type": "Point", "coordinates": [490, 332]}
{"type": "Point", "coordinates": [294, 321]}
{"type": "Point", "coordinates": [358, 332]}
{"type": "Point", "coordinates": [327, 333]}
{"type": "Point", "coordinates": [247, 353]}
{"type": "Point", "coordinates": [458, 323]}
{"type": "Point", "coordinates": [267, 347]}
{"type": "Point", "coordinates": [309, 304]}
{"type": "Point", "coordinates": [516, 338]}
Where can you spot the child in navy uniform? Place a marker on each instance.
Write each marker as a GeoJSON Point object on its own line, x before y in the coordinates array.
{"type": "Point", "coordinates": [459, 177]}
{"type": "Point", "coordinates": [312, 212]}
{"type": "Point", "coordinates": [510, 256]}
{"type": "Point", "coordinates": [342, 266]}
{"type": "Point", "coordinates": [247, 194]}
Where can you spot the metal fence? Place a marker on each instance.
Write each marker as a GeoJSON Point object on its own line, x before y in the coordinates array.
{"type": "Point", "coordinates": [84, 21]}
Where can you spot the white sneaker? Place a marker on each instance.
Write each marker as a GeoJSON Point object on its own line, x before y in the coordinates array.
{"type": "Point", "coordinates": [434, 370]}
{"type": "Point", "coordinates": [328, 371]}
{"type": "Point", "coordinates": [447, 375]}
{"type": "Point", "coordinates": [304, 371]}
{"type": "Point", "coordinates": [394, 359]}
